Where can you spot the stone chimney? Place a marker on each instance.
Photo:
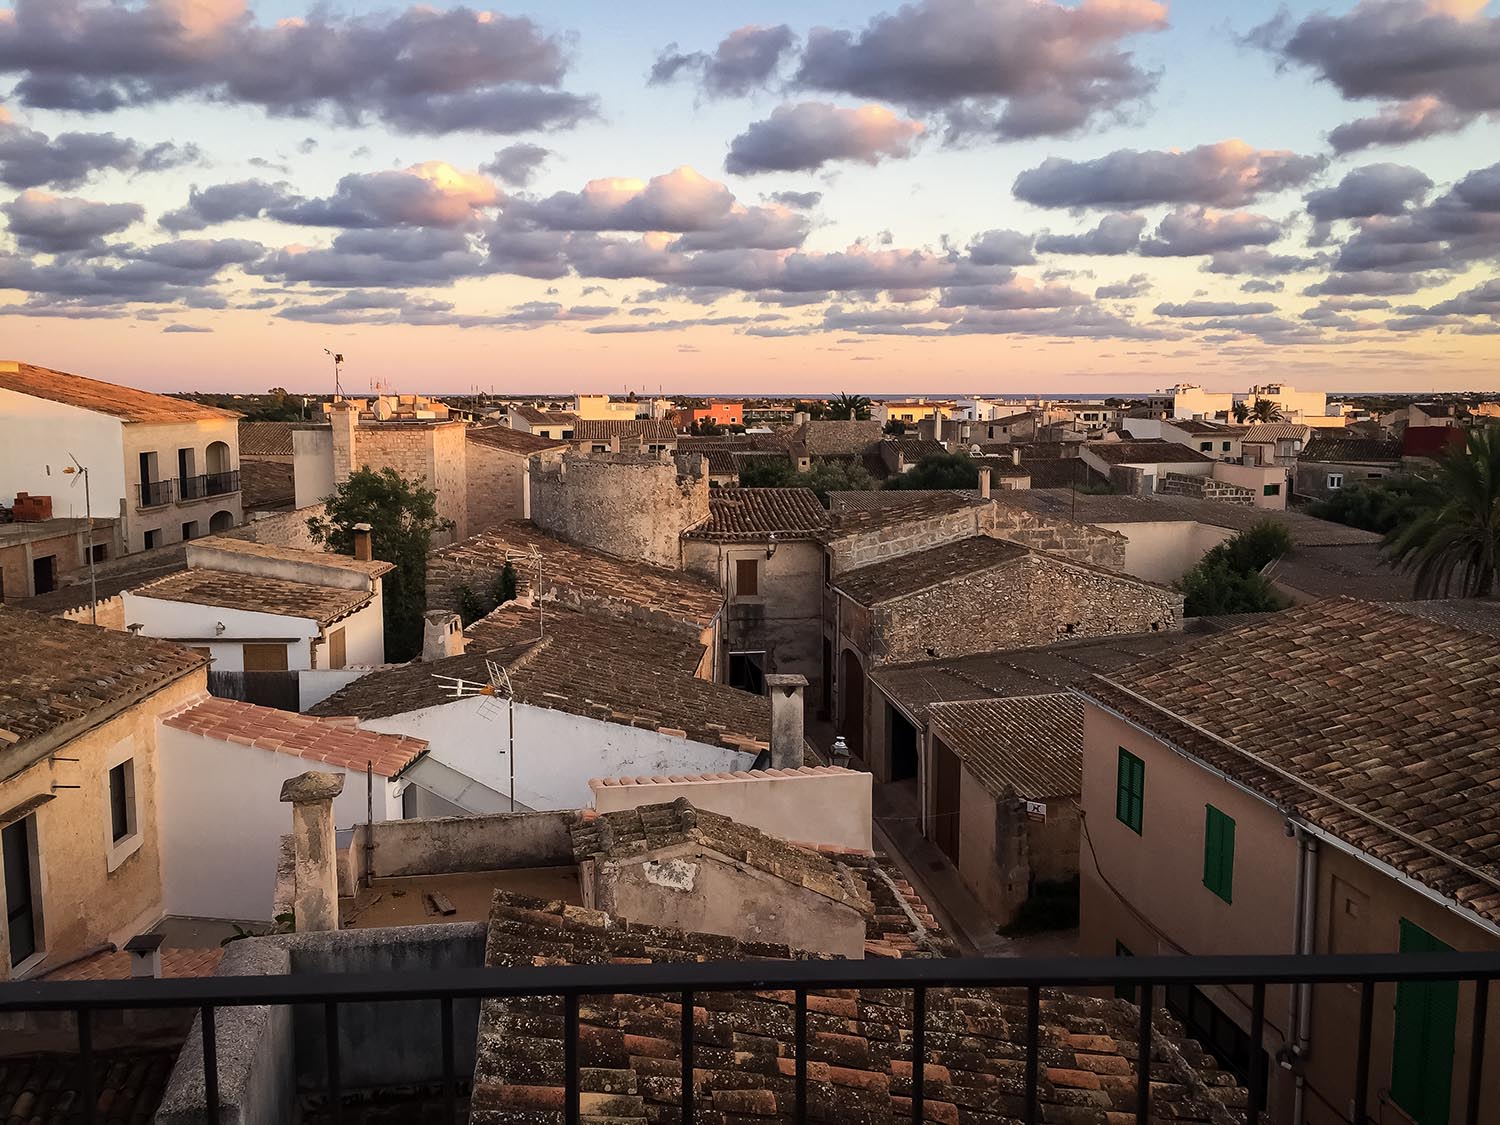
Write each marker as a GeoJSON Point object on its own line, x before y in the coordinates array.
{"type": "Point", "coordinates": [984, 482]}
{"type": "Point", "coordinates": [787, 740]}
{"type": "Point", "coordinates": [145, 955]}
{"type": "Point", "coordinates": [1015, 457]}
{"type": "Point", "coordinates": [344, 418]}
{"type": "Point", "coordinates": [315, 898]}
{"type": "Point", "coordinates": [364, 548]}
{"type": "Point", "coordinates": [800, 416]}
{"type": "Point", "coordinates": [442, 635]}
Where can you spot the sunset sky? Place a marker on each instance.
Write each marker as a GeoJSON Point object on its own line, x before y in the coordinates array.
{"type": "Point", "coordinates": [957, 196]}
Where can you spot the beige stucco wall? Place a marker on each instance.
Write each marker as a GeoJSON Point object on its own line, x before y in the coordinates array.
{"type": "Point", "coordinates": [813, 808]}
{"type": "Point", "coordinates": [1165, 550]}
{"type": "Point", "coordinates": [1255, 478]}
{"type": "Point", "coordinates": [83, 902]}
{"type": "Point", "coordinates": [498, 484]}
{"type": "Point", "coordinates": [165, 439]}
{"type": "Point", "coordinates": [67, 549]}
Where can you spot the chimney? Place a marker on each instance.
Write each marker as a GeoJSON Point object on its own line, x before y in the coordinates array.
{"type": "Point", "coordinates": [984, 482]}
{"type": "Point", "coordinates": [315, 898]}
{"type": "Point", "coordinates": [442, 635]}
{"type": "Point", "coordinates": [145, 955]}
{"type": "Point", "coordinates": [786, 720]}
{"type": "Point", "coordinates": [1015, 457]}
{"type": "Point", "coordinates": [364, 549]}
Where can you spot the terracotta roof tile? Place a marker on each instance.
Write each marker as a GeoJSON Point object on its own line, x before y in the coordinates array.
{"type": "Point", "coordinates": [266, 439]}
{"type": "Point", "coordinates": [302, 736]}
{"type": "Point", "coordinates": [754, 513]}
{"type": "Point", "coordinates": [1336, 447]}
{"type": "Point", "coordinates": [267, 484]}
{"type": "Point", "coordinates": [1263, 432]}
{"type": "Point", "coordinates": [125, 403]}
{"type": "Point", "coordinates": [255, 594]}
{"type": "Point", "coordinates": [116, 965]}
{"type": "Point", "coordinates": [372, 568]}
{"type": "Point", "coordinates": [921, 570]}
{"type": "Point", "coordinates": [852, 523]}
{"type": "Point", "coordinates": [1380, 727]}
{"type": "Point", "coordinates": [602, 429]}
{"type": "Point", "coordinates": [46, 1089]}
{"type": "Point", "coordinates": [1028, 746]}
{"type": "Point", "coordinates": [1143, 453]}
{"type": "Point", "coordinates": [512, 441]}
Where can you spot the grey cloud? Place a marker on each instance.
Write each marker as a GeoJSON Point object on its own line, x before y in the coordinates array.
{"type": "Point", "coordinates": [744, 60]}
{"type": "Point", "coordinates": [1260, 285]}
{"type": "Point", "coordinates": [1002, 248]}
{"type": "Point", "coordinates": [176, 272]}
{"type": "Point", "coordinates": [1015, 293]}
{"type": "Point", "coordinates": [29, 158]}
{"type": "Point", "coordinates": [1213, 308]}
{"type": "Point", "coordinates": [801, 200]}
{"type": "Point", "coordinates": [376, 258]}
{"type": "Point", "coordinates": [1115, 234]}
{"type": "Point", "coordinates": [805, 136]}
{"type": "Point", "coordinates": [1399, 124]}
{"type": "Point", "coordinates": [430, 194]}
{"type": "Point", "coordinates": [517, 164]}
{"type": "Point", "coordinates": [1227, 174]}
{"type": "Point", "coordinates": [1374, 189]}
{"type": "Point", "coordinates": [186, 328]}
{"type": "Point", "coordinates": [53, 225]}
{"type": "Point", "coordinates": [1191, 231]}
{"type": "Point", "coordinates": [1372, 282]}
{"type": "Point", "coordinates": [1138, 285]}
{"type": "Point", "coordinates": [222, 203]}
{"type": "Point", "coordinates": [1262, 262]}
{"type": "Point", "coordinates": [420, 71]}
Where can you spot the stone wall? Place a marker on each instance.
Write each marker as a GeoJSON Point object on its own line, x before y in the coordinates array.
{"type": "Point", "coordinates": [905, 537]}
{"type": "Point", "coordinates": [434, 453]}
{"type": "Point", "coordinates": [1032, 601]}
{"type": "Point", "coordinates": [1205, 488]}
{"type": "Point", "coordinates": [633, 506]}
{"type": "Point", "coordinates": [282, 529]}
{"type": "Point", "coordinates": [498, 483]}
{"type": "Point", "coordinates": [1077, 541]}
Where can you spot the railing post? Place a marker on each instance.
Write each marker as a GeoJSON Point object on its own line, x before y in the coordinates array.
{"type": "Point", "coordinates": [1476, 1048]}
{"type": "Point", "coordinates": [210, 1064]}
{"type": "Point", "coordinates": [799, 1028]}
{"type": "Point", "coordinates": [1033, 1050]}
{"type": "Point", "coordinates": [450, 1081]}
{"type": "Point", "coordinates": [86, 1065]}
{"type": "Point", "coordinates": [1362, 1059]}
{"type": "Point", "coordinates": [1143, 1063]}
{"type": "Point", "coordinates": [570, 1058]}
{"type": "Point", "coordinates": [1257, 1051]}
{"type": "Point", "coordinates": [687, 1057]}
{"type": "Point", "coordinates": [331, 1052]}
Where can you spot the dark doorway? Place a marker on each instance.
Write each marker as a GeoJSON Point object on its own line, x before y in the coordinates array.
{"type": "Point", "coordinates": [852, 703]}
{"type": "Point", "coordinates": [20, 901]}
{"type": "Point", "coordinates": [827, 708]}
{"type": "Point", "coordinates": [44, 574]}
{"type": "Point", "coordinates": [747, 671]}
{"type": "Point", "coordinates": [945, 788]}
{"type": "Point", "coordinates": [903, 745]}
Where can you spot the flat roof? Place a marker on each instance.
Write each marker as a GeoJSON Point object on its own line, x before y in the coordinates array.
{"type": "Point", "coordinates": [253, 593]}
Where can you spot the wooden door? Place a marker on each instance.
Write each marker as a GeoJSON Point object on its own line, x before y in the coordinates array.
{"type": "Point", "coordinates": [946, 772]}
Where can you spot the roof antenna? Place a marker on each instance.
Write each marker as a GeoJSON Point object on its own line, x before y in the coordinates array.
{"type": "Point", "coordinates": [338, 362]}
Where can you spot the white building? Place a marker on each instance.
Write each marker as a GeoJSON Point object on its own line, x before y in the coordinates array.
{"type": "Point", "coordinates": [166, 469]}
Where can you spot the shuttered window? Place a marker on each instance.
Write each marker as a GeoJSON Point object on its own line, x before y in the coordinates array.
{"type": "Point", "coordinates": [1130, 790]}
{"type": "Point", "coordinates": [1218, 853]}
{"type": "Point", "coordinates": [1422, 1056]}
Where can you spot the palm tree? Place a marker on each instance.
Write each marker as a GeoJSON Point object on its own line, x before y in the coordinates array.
{"type": "Point", "coordinates": [847, 406]}
{"type": "Point", "coordinates": [1453, 537]}
{"type": "Point", "coordinates": [1241, 411]}
{"type": "Point", "coordinates": [1266, 410]}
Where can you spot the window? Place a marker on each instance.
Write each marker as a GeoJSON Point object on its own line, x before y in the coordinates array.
{"type": "Point", "coordinates": [746, 578]}
{"type": "Point", "coordinates": [1335, 480]}
{"type": "Point", "coordinates": [1225, 447]}
{"type": "Point", "coordinates": [747, 671]}
{"type": "Point", "coordinates": [1271, 490]}
{"type": "Point", "coordinates": [598, 448]}
{"type": "Point", "coordinates": [100, 552]}
{"type": "Point", "coordinates": [1422, 1056]}
{"type": "Point", "coordinates": [265, 658]}
{"type": "Point", "coordinates": [1206, 446]}
{"type": "Point", "coordinates": [1124, 991]}
{"type": "Point", "coordinates": [122, 801]}
{"type": "Point", "coordinates": [189, 530]}
{"type": "Point", "coordinates": [153, 538]}
{"type": "Point", "coordinates": [1218, 853]}
{"type": "Point", "coordinates": [337, 655]}
{"type": "Point", "coordinates": [1130, 791]}
{"type": "Point", "coordinates": [22, 910]}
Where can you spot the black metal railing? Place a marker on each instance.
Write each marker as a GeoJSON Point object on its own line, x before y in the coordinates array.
{"type": "Point", "coordinates": [1146, 975]}
{"type": "Point", "coordinates": [209, 484]}
{"type": "Point", "coordinates": [155, 493]}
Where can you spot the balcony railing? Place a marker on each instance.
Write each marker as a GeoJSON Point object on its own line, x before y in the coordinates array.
{"type": "Point", "coordinates": [1149, 977]}
{"type": "Point", "coordinates": [209, 484]}
{"type": "Point", "coordinates": [155, 493]}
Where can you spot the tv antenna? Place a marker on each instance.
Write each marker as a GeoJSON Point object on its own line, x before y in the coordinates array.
{"type": "Point", "coordinates": [498, 696]}
{"type": "Point", "coordinates": [338, 362]}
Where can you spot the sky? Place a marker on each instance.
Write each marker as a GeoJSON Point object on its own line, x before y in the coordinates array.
{"type": "Point", "coordinates": [1073, 197]}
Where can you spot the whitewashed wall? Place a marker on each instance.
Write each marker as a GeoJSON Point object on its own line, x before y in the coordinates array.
{"type": "Point", "coordinates": [181, 621]}
{"type": "Point", "coordinates": [37, 435]}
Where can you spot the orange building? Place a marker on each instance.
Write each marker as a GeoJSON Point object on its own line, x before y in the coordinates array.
{"type": "Point", "coordinates": [720, 413]}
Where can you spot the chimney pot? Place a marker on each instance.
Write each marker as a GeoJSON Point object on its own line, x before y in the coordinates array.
{"type": "Point", "coordinates": [315, 901]}
{"type": "Point", "coordinates": [787, 739]}
{"type": "Point", "coordinates": [442, 635]}
{"type": "Point", "coordinates": [364, 548]}
{"type": "Point", "coordinates": [984, 482]}
{"type": "Point", "coordinates": [145, 955]}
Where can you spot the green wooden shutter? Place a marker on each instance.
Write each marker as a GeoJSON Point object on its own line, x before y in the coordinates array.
{"type": "Point", "coordinates": [1130, 790]}
{"type": "Point", "coordinates": [1218, 853]}
{"type": "Point", "coordinates": [1426, 1018]}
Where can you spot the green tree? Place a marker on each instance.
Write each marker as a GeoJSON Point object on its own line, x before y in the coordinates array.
{"type": "Point", "coordinates": [402, 516]}
{"type": "Point", "coordinates": [895, 427]}
{"type": "Point", "coordinates": [939, 470]}
{"type": "Point", "coordinates": [1450, 538]}
{"type": "Point", "coordinates": [1241, 411]}
{"type": "Point", "coordinates": [767, 472]}
{"type": "Point", "coordinates": [1265, 410]}
{"type": "Point", "coordinates": [1228, 579]}
{"type": "Point", "coordinates": [822, 476]}
{"type": "Point", "coordinates": [844, 407]}
{"type": "Point", "coordinates": [1380, 506]}
{"type": "Point", "coordinates": [705, 427]}
{"type": "Point", "coordinates": [503, 589]}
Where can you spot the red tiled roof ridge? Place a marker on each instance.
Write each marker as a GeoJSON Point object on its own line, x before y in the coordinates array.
{"type": "Point", "coordinates": [740, 775]}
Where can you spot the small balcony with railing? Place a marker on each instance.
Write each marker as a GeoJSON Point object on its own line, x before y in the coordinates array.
{"type": "Point", "coordinates": [157, 493]}
{"type": "Point", "coordinates": [205, 485]}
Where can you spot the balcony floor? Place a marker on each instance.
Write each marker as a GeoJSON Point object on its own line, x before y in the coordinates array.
{"type": "Point", "coordinates": [403, 902]}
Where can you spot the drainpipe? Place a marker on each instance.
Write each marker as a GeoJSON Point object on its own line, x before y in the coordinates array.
{"type": "Point", "coordinates": [1305, 925]}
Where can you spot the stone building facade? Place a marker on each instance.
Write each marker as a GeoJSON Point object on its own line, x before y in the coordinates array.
{"type": "Point", "coordinates": [432, 452]}
{"type": "Point", "coordinates": [1205, 488]}
{"type": "Point", "coordinates": [499, 473]}
{"type": "Point", "coordinates": [634, 506]}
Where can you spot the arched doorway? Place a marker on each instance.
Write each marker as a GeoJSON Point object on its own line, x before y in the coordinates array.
{"type": "Point", "coordinates": [852, 703]}
{"type": "Point", "coordinates": [221, 521]}
{"type": "Point", "coordinates": [216, 457]}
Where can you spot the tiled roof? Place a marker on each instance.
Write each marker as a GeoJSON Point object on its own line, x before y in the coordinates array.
{"type": "Point", "coordinates": [125, 403]}
{"type": "Point", "coordinates": [831, 437]}
{"type": "Point", "coordinates": [47, 1089]}
{"type": "Point", "coordinates": [742, 775]}
{"type": "Point", "coordinates": [602, 429]}
{"type": "Point", "coordinates": [920, 570]}
{"type": "Point", "coordinates": [1142, 453]}
{"type": "Point", "coordinates": [1029, 671]}
{"type": "Point", "coordinates": [858, 1044]}
{"type": "Point", "coordinates": [1477, 615]}
{"type": "Point", "coordinates": [545, 417]}
{"type": "Point", "coordinates": [754, 513]}
{"type": "Point", "coordinates": [116, 965]}
{"type": "Point", "coordinates": [267, 484]}
{"type": "Point", "coordinates": [1262, 432]}
{"type": "Point", "coordinates": [60, 676]}
{"type": "Point", "coordinates": [875, 499]}
{"type": "Point", "coordinates": [1357, 570]}
{"type": "Point", "coordinates": [265, 439]}
{"type": "Point", "coordinates": [372, 568]}
{"type": "Point", "coordinates": [647, 828]}
{"type": "Point", "coordinates": [512, 441]}
{"type": "Point", "coordinates": [596, 666]}
{"type": "Point", "coordinates": [113, 578]}
{"type": "Point", "coordinates": [913, 449]}
{"type": "Point", "coordinates": [1061, 472]}
{"type": "Point", "coordinates": [1380, 728]}
{"type": "Point", "coordinates": [1323, 447]}
{"type": "Point", "coordinates": [1028, 746]}
{"type": "Point", "coordinates": [738, 443]}
{"type": "Point", "coordinates": [1207, 429]}
{"type": "Point", "coordinates": [255, 594]}
{"type": "Point", "coordinates": [1085, 507]}
{"type": "Point", "coordinates": [573, 576]}
{"type": "Point", "coordinates": [302, 736]}
{"type": "Point", "coordinates": [846, 524]}
{"type": "Point", "coordinates": [1305, 530]}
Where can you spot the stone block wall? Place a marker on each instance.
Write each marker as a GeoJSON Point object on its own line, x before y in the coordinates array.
{"type": "Point", "coordinates": [1075, 541]}
{"type": "Point", "coordinates": [282, 529]}
{"type": "Point", "coordinates": [633, 506]}
{"type": "Point", "coordinates": [434, 453]}
{"type": "Point", "coordinates": [1032, 601]}
{"type": "Point", "coordinates": [1205, 488]}
{"type": "Point", "coordinates": [907, 537]}
{"type": "Point", "coordinates": [498, 483]}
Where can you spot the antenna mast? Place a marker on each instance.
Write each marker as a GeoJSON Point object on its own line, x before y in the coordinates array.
{"type": "Point", "coordinates": [338, 362]}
